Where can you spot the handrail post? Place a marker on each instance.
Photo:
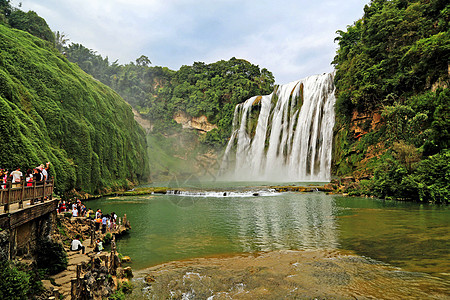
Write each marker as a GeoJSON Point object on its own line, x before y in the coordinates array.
{"type": "Point", "coordinates": [23, 193]}
{"type": "Point", "coordinates": [43, 190]}
{"type": "Point", "coordinates": [52, 182]}
{"type": "Point", "coordinates": [8, 200]}
{"type": "Point", "coordinates": [34, 193]}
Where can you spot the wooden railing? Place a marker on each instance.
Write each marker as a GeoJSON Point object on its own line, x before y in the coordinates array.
{"type": "Point", "coordinates": [11, 193]}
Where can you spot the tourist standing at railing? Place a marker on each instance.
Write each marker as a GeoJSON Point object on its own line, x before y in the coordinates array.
{"type": "Point", "coordinates": [3, 178]}
{"type": "Point", "coordinates": [44, 172]}
{"type": "Point", "coordinates": [29, 177]}
{"type": "Point", "coordinates": [47, 170]}
{"type": "Point", "coordinates": [37, 176]}
{"type": "Point", "coordinates": [16, 177]}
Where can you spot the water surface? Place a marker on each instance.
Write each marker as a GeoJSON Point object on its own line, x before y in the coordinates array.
{"type": "Point", "coordinates": [412, 236]}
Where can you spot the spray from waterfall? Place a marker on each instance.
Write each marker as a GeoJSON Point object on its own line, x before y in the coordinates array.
{"type": "Point", "coordinates": [284, 136]}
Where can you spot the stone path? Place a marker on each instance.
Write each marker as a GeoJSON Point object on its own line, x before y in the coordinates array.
{"type": "Point", "coordinates": [62, 279]}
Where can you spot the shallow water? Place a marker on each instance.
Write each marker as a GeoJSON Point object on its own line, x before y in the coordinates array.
{"type": "Point", "coordinates": [165, 228]}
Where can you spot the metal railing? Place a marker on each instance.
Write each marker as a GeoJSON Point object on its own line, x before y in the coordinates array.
{"type": "Point", "coordinates": [19, 192]}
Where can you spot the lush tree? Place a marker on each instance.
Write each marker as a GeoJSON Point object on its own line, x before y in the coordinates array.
{"type": "Point", "coordinates": [32, 23]}
{"type": "Point", "coordinates": [397, 48]}
{"type": "Point", "coordinates": [158, 93]}
{"type": "Point", "coordinates": [143, 61]}
{"type": "Point", "coordinates": [61, 40]}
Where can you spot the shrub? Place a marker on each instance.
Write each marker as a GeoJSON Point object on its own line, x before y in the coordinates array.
{"type": "Point", "coordinates": [14, 284]}
{"type": "Point", "coordinates": [51, 256]}
{"type": "Point", "coordinates": [107, 238]}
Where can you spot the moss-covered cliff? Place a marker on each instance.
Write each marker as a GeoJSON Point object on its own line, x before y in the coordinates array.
{"type": "Point", "coordinates": [50, 110]}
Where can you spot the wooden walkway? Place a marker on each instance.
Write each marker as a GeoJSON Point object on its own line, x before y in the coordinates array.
{"type": "Point", "coordinates": [16, 196]}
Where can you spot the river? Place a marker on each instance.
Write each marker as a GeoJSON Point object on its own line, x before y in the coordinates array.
{"type": "Point", "coordinates": [410, 236]}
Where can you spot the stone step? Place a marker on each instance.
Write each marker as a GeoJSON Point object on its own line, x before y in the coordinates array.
{"type": "Point", "coordinates": [62, 281]}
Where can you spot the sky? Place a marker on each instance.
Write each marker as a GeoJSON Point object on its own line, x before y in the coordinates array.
{"type": "Point", "coordinates": [291, 38]}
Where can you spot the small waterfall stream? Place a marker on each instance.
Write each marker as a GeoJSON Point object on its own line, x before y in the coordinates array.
{"type": "Point", "coordinates": [284, 136]}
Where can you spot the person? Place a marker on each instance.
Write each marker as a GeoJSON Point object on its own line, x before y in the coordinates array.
{"type": "Point", "coordinates": [77, 245]}
{"type": "Point", "coordinates": [37, 176]}
{"type": "Point", "coordinates": [3, 177]}
{"type": "Point", "coordinates": [97, 224]}
{"type": "Point", "coordinates": [29, 177]}
{"type": "Point", "coordinates": [75, 212]}
{"type": "Point", "coordinates": [83, 210]}
{"type": "Point", "coordinates": [90, 213]}
{"type": "Point", "coordinates": [104, 224]}
{"type": "Point", "coordinates": [63, 206]}
{"type": "Point", "coordinates": [44, 170]}
{"type": "Point", "coordinates": [98, 214]}
{"type": "Point", "coordinates": [98, 246]}
{"type": "Point", "coordinates": [16, 177]}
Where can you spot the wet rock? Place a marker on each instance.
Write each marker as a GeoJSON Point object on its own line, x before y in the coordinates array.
{"type": "Point", "coordinates": [128, 272]}
{"type": "Point", "coordinates": [120, 273]}
{"type": "Point", "coordinates": [149, 278]}
{"type": "Point", "coordinates": [126, 259]}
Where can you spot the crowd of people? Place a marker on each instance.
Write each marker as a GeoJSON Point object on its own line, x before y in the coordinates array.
{"type": "Point", "coordinates": [103, 222]}
{"type": "Point", "coordinates": [39, 174]}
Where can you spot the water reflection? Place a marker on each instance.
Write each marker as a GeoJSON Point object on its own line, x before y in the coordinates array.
{"type": "Point", "coordinates": [407, 235]}
{"type": "Point", "coordinates": [264, 224]}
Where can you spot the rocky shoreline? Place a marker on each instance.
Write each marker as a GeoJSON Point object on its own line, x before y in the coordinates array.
{"type": "Point", "coordinates": [93, 275]}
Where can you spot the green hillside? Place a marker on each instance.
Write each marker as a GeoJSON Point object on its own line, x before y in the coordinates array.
{"type": "Point", "coordinates": [159, 94]}
{"type": "Point", "coordinates": [393, 101]}
{"type": "Point", "coordinates": [50, 110]}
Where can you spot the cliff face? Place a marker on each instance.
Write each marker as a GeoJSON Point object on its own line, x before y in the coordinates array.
{"type": "Point", "coordinates": [50, 110]}
{"type": "Point", "coordinates": [200, 123]}
{"type": "Point", "coordinates": [349, 156]}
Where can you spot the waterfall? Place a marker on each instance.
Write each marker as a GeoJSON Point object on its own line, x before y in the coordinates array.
{"type": "Point", "coordinates": [284, 136]}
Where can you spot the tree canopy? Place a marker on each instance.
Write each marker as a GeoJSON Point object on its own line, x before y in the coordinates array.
{"type": "Point", "coordinates": [398, 48]}
{"type": "Point", "coordinates": [158, 93]}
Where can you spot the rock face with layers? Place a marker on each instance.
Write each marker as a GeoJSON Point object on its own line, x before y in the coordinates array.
{"type": "Point", "coordinates": [198, 123]}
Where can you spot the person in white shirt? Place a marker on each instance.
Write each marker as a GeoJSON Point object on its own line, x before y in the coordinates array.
{"type": "Point", "coordinates": [44, 172]}
{"type": "Point", "coordinates": [74, 212]}
{"type": "Point", "coordinates": [77, 245]}
{"type": "Point", "coordinates": [16, 177]}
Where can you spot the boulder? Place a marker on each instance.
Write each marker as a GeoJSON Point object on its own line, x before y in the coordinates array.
{"type": "Point", "coordinates": [126, 259]}
{"type": "Point", "coordinates": [128, 272]}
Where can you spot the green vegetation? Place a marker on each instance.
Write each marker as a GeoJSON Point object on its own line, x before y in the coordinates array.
{"type": "Point", "coordinates": [123, 289]}
{"type": "Point", "coordinates": [14, 283]}
{"type": "Point", "coordinates": [51, 256]}
{"type": "Point", "coordinates": [394, 61]}
{"type": "Point", "coordinates": [158, 93]}
{"type": "Point", "coordinates": [29, 21]}
{"type": "Point", "coordinates": [50, 110]}
{"type": "Point", "coordinates": [18, 281]}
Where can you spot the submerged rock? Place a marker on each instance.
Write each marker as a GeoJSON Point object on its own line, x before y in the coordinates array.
{"type": "Point", "coordinates": [288, 275]}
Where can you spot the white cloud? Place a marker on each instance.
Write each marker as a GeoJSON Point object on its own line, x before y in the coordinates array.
{"type": "Point", "coordinates": [291, 38]}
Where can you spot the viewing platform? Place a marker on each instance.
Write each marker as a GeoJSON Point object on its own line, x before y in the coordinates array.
{"type": "Point", "coordinates": [25, 201]}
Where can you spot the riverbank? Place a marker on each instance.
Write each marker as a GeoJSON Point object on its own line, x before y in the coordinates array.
{"type": "Point", "coordinates": [94, 274]}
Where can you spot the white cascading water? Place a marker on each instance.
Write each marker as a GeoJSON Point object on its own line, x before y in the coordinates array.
{"type": "Point", "coordinates": [292, 140]}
